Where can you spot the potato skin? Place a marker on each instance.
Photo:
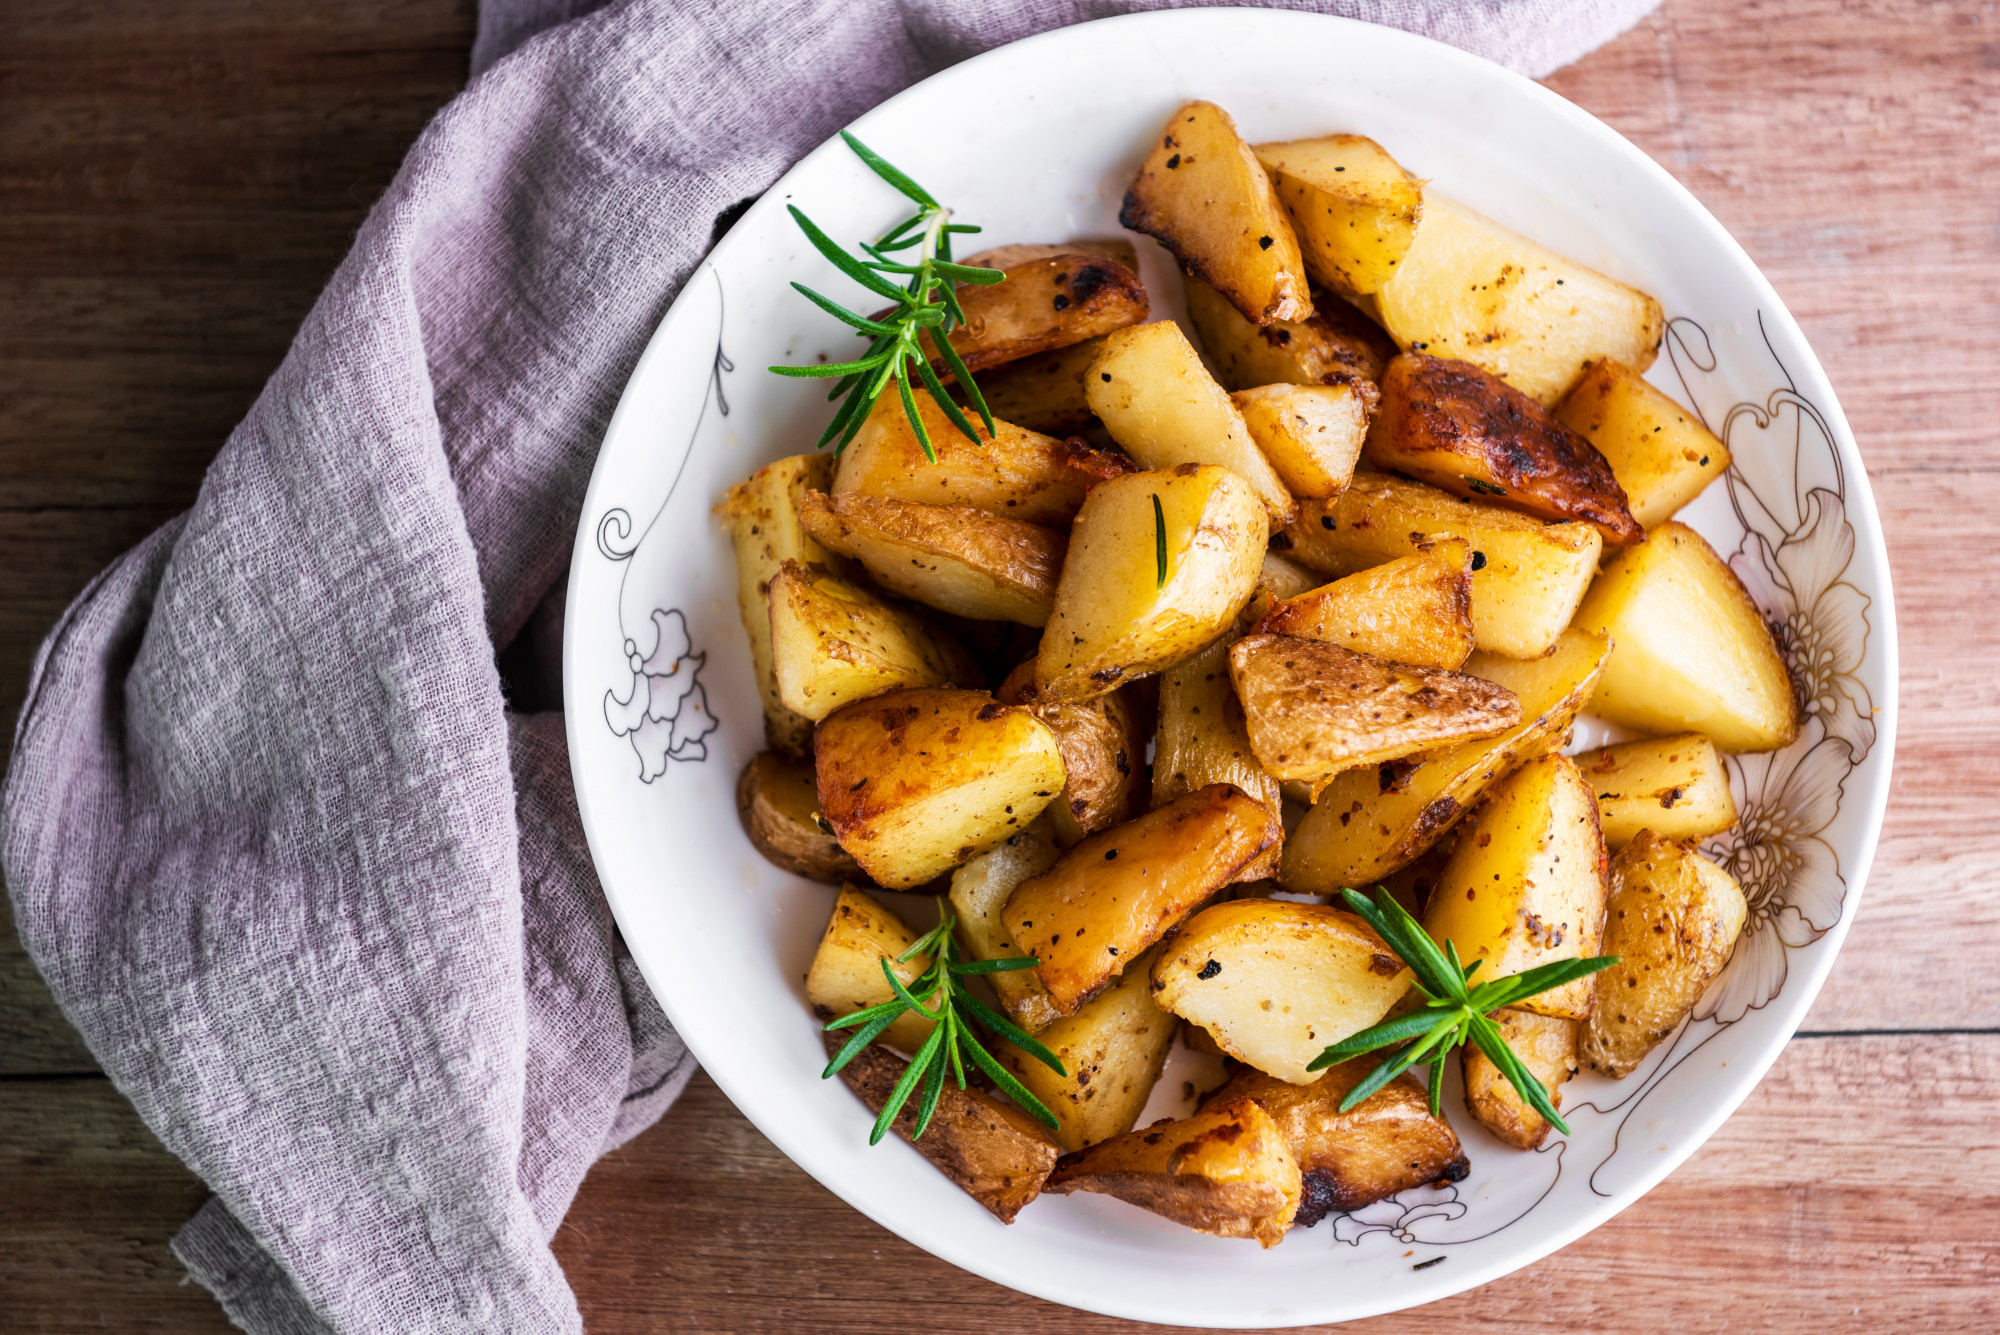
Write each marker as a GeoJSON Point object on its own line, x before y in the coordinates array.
{"type": "Point", "coordinates": [956, 558]}
{"type": "Point", "coordinates": [1053, 297]}
{"type": "Point", "coordinates": [1675, 786]}
{"type": "Point", "coordinates": [777, 799]}
{"type": "Point", "coordinates": [1044, 392]}
{"type": "Point", "coordinates": [1415, 609]}
{"type": "Point", "coordinates": [1335, 345]}
{"type": "Point", "coordinates": [1103, 743]}
{"type": "Point", "coordinates": [1546, 1045]}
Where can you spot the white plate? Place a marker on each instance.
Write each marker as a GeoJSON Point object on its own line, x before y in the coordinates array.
{"type": "Point", "coordinates": [1037, 141]}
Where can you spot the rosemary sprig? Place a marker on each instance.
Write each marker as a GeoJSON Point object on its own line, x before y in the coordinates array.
{"type": "Point", "coordinates": [925, 302]}
{"type": "Point", "coordinates": [1159, 542]}
{"type": "Point", "coordinates": [1452, 1013]}
{"type": "Point", "coordinates": [951, 1042]}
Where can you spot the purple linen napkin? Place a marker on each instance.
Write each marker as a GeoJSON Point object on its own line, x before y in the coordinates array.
{"type": "Point", "coordinates": [315, 896]}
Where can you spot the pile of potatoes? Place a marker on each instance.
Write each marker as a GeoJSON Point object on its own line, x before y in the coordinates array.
{"type": "Point", "coordinates": [1206, 632]}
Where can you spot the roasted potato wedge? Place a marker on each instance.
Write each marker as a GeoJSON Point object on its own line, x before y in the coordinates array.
{"type": "Point", "coordinates": [1310, 434]}
{"type": "Point", "coordinates": [1160, 404]}
{"type": "Point", "coordinates": [1694, 652]}
{"type": "Point", "coordinates": [1367, 823]}
{"type": "Point", "coordinates": [1103, 742]}
{"type": "Point", "coordinates": [1276, 983]}
{"type": "Point", "coordinates": [1387, 1143]}
{"type": "Point", "coordinates": [1673, 922]}
{"type": "Point", "coordinates": [1225, 1171]}
{"type": "Point", "coordinates": [1203, 194]}
{"type": "Point", "coordinates": [1471, 289]}
{"type": "Point", "coordinates": [777, 798]}
{"type": "Point", "coordinates": [1526, 884]}
{"type": "Point", "coordinates": [762, 515]}
{"type": "Point", "coordinates": [1118, 892]}
{"type": "Point", "coordinates": [1415, 609]}
{"type": "Point", "coordinates": [1112, 1050]}
{"type": "Point", "coordinates": [1337, 344]}
{"type": "Point", "coordinates": [997, 1154]}
{"type": "Point", "coordinates": [1044, 392]}
{"type": "Point", "coordinates": [979, 893]}
{"type": "Point", "coordinates": [956, 558]}
{"type": "Point", "coordinates": [1053, 297]}
{"type": "Point", "coordinates": [1114, 618]}
{"type": "Point", "coordinates": [1281, 578]}
{"type": "Point", "coordinates": [846, 973]}
{"type": "Point", "coordinates": [1201, 740]}
{"type": "Point", "coordinates": [1464, 430]}
{"type": "Point", "coordinates": [1527, 577]}
{"type": "Point", "coordinates": [917, 782]}
{"type": "Point", "coordinates": [1355, 209]}
{"type": "Point", "coordinates": [1546, 1045]}
{"type": "Point", "coordinates": [1314, 709]}
{"type": "Point", "coordinates": [1675, 786]}
{"type": "Point", "coordinates": [1018, 474]}
{"type": "Point", "coordinates": [833, 643]}
{"type": "Point", "coordinates": [1660, 452]}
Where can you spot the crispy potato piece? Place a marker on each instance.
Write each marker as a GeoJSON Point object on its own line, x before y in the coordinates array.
{"type": "Point", "coordinates": [1276, 983]}
{"type": "Point", "coordinates": [1281, 577]}
{"type": "Point", "coordinates": [997, 1154]}
{"type": "Point", "coordinates": [1546, 1045]}
{"type": "Point", "coordinates": [1415, 609]}
{"type": "Point", "coordinates": [1526, 885]}
{"type": "Point", "coordinates": [1471, 289]}
{"type": "Point", "coordinates": [1314, 709]}
{"type": "Point", "coordinates": [1053, 296]}
{"type": "Point", "coordinates": [777, 798]}
{"type": "Point", "coordinates": [1694, 652]}
{"type": "Point", "coordinates": [1311, 434]}
{"type": "Point", "coordinates": [1466, 431]}
{"type": "Point", "coordinates": [1355, 208]}
{"type": "Point", "coordinates": [1225, 1171]}
{"type": "Point", "coordinates": [979, 892]}
{"type": "Point", "coordinates": [833, 643]}
{"type": "Point", "coordinates": [1367, 823]}
{"type": "Point", "coordinates": [846, 973]}
{"type": "Point", "coordinates": [1044, 392]}
{"type": "Point", "coordinates": [1103, 745]}
{"type": "Point", "coordinates": [1018, 474]}
{"type": "Point", "coordinates": [1660, 452]}
{"type": "Point", "coordinates": [918, 782]}
{"type": "Point", "coordinates": [1114, 619]}
{"type": "Point", "coordinates": [1675, 786]}
{"type": "Point", "coordinates": [1112, 1050]}
{"type": "Point", "coordinates": [1387, 1143]}
{"type": "Point", "coordinates": [1338, 344]}
{"type": "Point", "coordinates": [1673, 922]}
{"type": "Point", "coordinates": [1118, 892]}
{"type": "Point", "coordinates": [1201, 740]}
{"type": "Point", "coordinates": [1527, 577]}
{"type": "Point", "coordinates": [762, 515]}
{"type": "Point", "coordinates": [1158, 401]}
{"type": "Point", "coordinates": [957, 558]}
{"type": "Point", "coordinates": [1205, 196]}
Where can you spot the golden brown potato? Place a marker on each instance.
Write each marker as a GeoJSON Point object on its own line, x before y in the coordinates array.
{"type": "Point", "coordinates": [1311, 434]}
{"type": "Point", "coordinates": [846, 973]}
{"type": "Point", "coordinates": [1660, 452]}
{"type": "Point", "coordinates": [1103, 744]}
{"type": "Point", "coordinates": [1415, 609]}
{"type": "Point", "coordinates": [1044, 392]}
{"type": "Point", "coordinates": [1546, 1045]}
{"type": "Point", "coordinates": [1053, 296]}
{"type": "Point", "coordinates": [1527, 577]}
{"type": "Point", "coordinates": [979, 893]}
{"type": "Point", "coordinates": [762, 515]}
{"type": "Point", "coordinates": [956, 558]}
{"type": "Point", "coordinates": [997, 1154]}
{"type": "Point", "coordinates": [1276, 983]}
{"type": "Point", "coordinates": [1675, 786]}
{"type": "Point", "coordinates": [1673, 922]}
{"type": "Point", "coordinates": [1337, 345]}
{"type": "Point", "coordinates": [1694, 652]}
{"type": "Point", "coordinates": [1205, 196]}
{"type": "Point", "coordinates": [1158, 401]}
{"type": "Point", "coordinates": [1115, 619]}
{"type": "Point", "coordinates": [1466, 431]}
{"type": "Point", "coordinates": [917, 782]}
{"type": "Point", "coordinates": [1367, 823]}
{"type": "Point", "coordinates": [1225, 1171]}
{"type": "Point", "coordinates": [1118, 892]}
{"type": "Point", "coordinates": [833, 643]}
{"type": "Point", "coordinates": [1355, 208]}
{"type": "Point", "coordinates": [1387, 1143]}
{"type": "Point", "coordinates": [1018, 474]}
{"type": "Point", "coordinates": [1526, 885]}
{"type": "Point", "coordinates": [777, 798]}
{"type": "Point", "coordinates": [1314, 709]}
{"type": "Point", "coordinates": [1281, 578]}
{"type": "Point", "coordinates": [1112, 1050]}
{"type": "Point", "coordinates": [1471, 289]}
{"type": "Point", "coordinates": [1201, 740]}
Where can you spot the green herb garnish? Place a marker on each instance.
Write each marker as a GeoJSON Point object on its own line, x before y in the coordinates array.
{"type": "Point", "coordinates": [926, 301]}
{"type": "Point", "coordinates": [1159, 541]}
{"type": "Point", "coordinates": [1452, 1012]}
{"type": "Point", "coordinates": [954, 1010]}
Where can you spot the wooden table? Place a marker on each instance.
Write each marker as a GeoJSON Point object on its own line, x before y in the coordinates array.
{"type": "Point", "coordinates": [179, 177]}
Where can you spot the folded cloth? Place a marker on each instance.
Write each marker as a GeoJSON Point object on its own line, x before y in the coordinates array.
{"type": "Point", "coordinates": [316, 898]}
